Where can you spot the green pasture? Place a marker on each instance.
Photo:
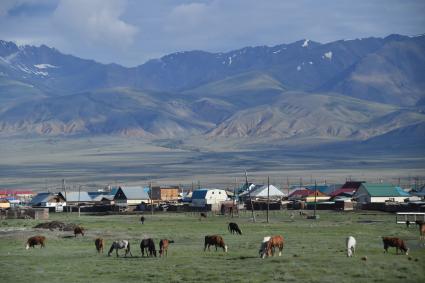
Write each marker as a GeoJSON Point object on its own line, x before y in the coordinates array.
{"type": "Point", "coordinates": [314, 250]}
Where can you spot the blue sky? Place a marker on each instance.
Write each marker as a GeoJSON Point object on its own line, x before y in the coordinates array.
{"type": "Point", "coordinates": [130, 32]}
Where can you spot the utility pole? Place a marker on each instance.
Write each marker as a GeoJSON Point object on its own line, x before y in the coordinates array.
{"type": "Point", "coordinates": [315, 200]}
{"type": "Point", "coordinates": [150, 190]}
{"type": "Point", "coordinates": [79, 191]}
{"type": "Point", "coordinates": [268, 197]}
{"type": "Point", "coordinates": [234, 196]}
{"type": "Point", "coordinates": [250, 199]}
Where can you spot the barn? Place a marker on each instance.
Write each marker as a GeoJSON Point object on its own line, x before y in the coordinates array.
{"type": "Point", "coordinates": [204, 197]}
{"type": "Point", "coordinates": [379, 193]}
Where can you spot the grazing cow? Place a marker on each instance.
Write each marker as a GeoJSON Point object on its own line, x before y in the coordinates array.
{"type": "Point", "coordinates": [394, 242]}
{"type": "Point", "coordinates": [163, 246]}
{"type": "Point", "coordinates": [148, 246]}
{"type": "Point", "coordinates": [274, 242]}
{"type": "Point", "coordinates": [142, 220]}
{"type": "Point", "coordinates": [78, 230]}
{"type": "Point", "coordinates": [422, 231]}
{"type": "Point", "coordinates": [121, 244]}
{"type": "Point", "coordinates": [99, 243]}
{"type": "Point", "coordinates": [202, 215]}
{"type": "Point", "coordinates": [36, 240]}
{"type": "Point", "coordinates": [351, 246]}
{"type": "Point", "coordinates": [234, 228]}
{"type": "Point", "coordinates": [215, 240]}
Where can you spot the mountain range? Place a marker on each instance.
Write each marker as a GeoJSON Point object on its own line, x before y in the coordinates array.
{"type": "Point", "coordinates": [370, 89]}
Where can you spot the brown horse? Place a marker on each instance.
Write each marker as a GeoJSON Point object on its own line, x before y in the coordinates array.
{"type": "Point", "coordinates": [269, 246]}
{"type": "Point", "coordinates": [422, 231]}
{"type": "Point", "coordinates": [100, 243]}
{"type": "Point", "coordinates": [36, 240]}
{"type": "Point", "coordinates": [163, 246]}
{"type": "Point", "coordinates": [215, 240]}
{"type": "Point", "coordinates": [78, 230]}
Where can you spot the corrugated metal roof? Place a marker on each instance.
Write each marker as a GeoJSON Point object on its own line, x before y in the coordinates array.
{"type": "Point", "coordinates": [135, 193]}
{"type": "Point", "coordinates": [40, 197]}
{"type": "Point", "coordinates": [76, 196]}
{"type": "Point", "coordinates": [384, 190]}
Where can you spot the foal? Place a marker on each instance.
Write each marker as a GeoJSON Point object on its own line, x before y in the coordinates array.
{"type": "Point", "coordinates": [163, 246]}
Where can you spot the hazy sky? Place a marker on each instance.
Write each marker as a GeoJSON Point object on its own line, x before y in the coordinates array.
{"type": "Point", "coordinates": [129, 32]}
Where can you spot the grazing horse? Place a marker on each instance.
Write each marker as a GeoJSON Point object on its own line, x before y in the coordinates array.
{"type": "Point", "coordinates": [274, 242]}
{"type": "Point", "coordinates": [78, 230]}
{"type": "Point", "coordinates": [99, 243]}
{"type": "Point", "coordinates": [36, 240]}
{"type": "Point", "coordinates": [148, 246]}
{"type": "Point", "coordinates": [163, 246]}
{"type": "Point", "coordinates": [234, 228]}
{"type": "Point", "coordinates": [351, 246]}
{"type": "Point", "coordinates": [263, 246]}
{"type": "Point", "coordinates": [142, 220]}
{"type": "Point", "coordinates": [215, 240]}
{"type": "Point", "coordinates": [395, 242]}
{"type": "Point", "coordinates": [422, 231]}
{"type": "Point", "coordinates": [202, 215]}
{"type": "Point", "coordinates": [121, 244]}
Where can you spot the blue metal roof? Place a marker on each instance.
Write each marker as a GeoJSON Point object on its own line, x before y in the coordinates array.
{"type": "Point", "coordinates": [199, 194]}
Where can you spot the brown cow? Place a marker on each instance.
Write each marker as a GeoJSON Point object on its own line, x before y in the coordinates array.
{"type": "Point", "coordinates": [394, 242]}
{"type": "Point", "coordinates": [78, 230]}
{"type": "Point", "coordinates": [100, 243]}
{"type": "Point", "coordinates": [163, 246]}
{"type": "Point", "coordinates": [215, 240]}
{"type": "Point", "coordinates": [36, 240]}
{"type": "Point", "coordinates": [269, 246]}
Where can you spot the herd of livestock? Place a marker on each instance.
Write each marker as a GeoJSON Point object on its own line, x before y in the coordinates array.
{"type": "Point", "coordinates": [267, 247]}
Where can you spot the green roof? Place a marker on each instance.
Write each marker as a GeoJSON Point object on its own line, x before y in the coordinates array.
{"type": "Point", "coordinates": [384, 190]}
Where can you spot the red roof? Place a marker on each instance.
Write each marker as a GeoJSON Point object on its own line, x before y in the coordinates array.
{"type": "Point", "coordinates": [15, 192]}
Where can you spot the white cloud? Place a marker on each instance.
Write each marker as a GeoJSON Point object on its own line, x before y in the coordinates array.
{"type": "Point", "coordinates": [95, 21]}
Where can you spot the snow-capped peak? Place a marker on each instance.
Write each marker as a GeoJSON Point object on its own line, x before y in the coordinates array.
{"type": "Point", "coordinates": [305, 44]}
{"type": "Point", "coordinates": [327, 55]}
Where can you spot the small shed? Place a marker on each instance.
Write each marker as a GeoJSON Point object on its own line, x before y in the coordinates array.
{"type": "Point", "coordinates": [379, 193]}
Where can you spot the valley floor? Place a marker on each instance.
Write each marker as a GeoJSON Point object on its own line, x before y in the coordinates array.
{"type": "Point", "coordinates": [43, 163]}
{"type": "Point", "coordinates": [314, 249]}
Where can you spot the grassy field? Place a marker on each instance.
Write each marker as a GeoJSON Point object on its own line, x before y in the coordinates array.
{"type": "Point", "coordinates": [314, 250]}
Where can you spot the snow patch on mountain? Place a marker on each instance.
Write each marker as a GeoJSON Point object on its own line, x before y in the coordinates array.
{"type": "Point", "coordinates": [305, 44]}
{"type": "Point", "coordinates": [44, 66]}
{"type": "Point", "coordinates": [327, 55]}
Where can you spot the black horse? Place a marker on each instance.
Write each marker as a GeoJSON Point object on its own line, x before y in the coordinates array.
{"type": "Point", "coordinates": [142, 219]}
{"type": "Point", "coordinates": [148, 246]}
{"type": "Point", "coordinates": [234, 228]}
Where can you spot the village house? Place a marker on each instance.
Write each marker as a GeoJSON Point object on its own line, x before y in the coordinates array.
{"type": "Point", "coordinates": [22, 196]}
{"type": "Point", "coordinates": [205, 197]}
{"type": "Point", "coordinates": [131, 196]}
{"type": "Point", "coordinates": [50, 200]}
{"type": "Point", "coordinates": [260, 192]}
{"type": "Point", "coordinates": [379, 193]}
{"type": "Point", "coordinates": [74, 198]}
{"type": "Point", "coordinates": [307, 195]}
{"type": "Point", "coordinates": [165, 193]}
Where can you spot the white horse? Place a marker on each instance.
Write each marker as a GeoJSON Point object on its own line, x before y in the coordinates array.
{"type": "Point", "coordinates": [263, 247]}
{"type": "Point", "coordinates": [121, 244]}
{"type": "Point", "coordinates": [351, 246]}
